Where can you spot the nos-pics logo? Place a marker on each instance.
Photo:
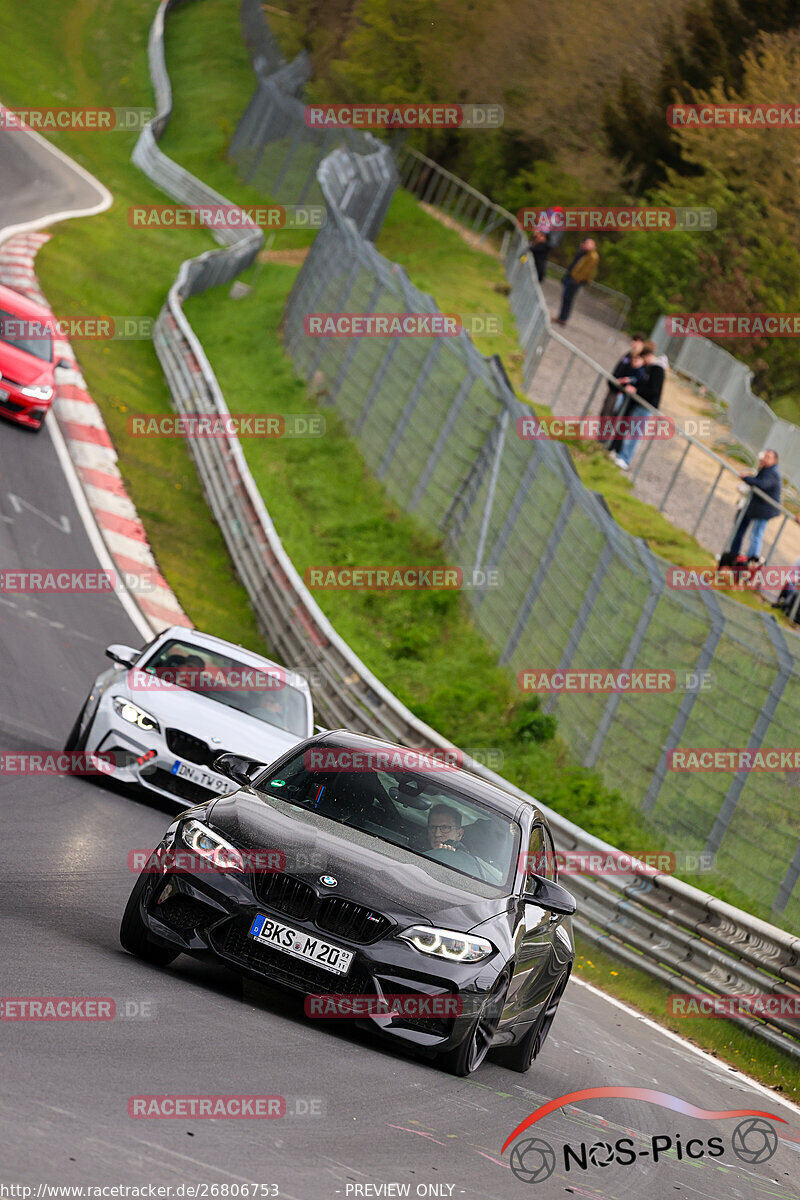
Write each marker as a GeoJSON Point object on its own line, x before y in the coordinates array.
{"type": "Point", "coordinates": [754, 1140]}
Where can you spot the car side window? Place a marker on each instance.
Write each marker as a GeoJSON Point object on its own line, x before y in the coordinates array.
{"type": "Point", "coordinates": [535, 859]}
{"type": "Point", "coordinates": [550, 865]}
{"type": "Point", "coordinates": [541, 858]}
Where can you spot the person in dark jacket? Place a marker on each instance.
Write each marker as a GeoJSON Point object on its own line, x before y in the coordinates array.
{"type": "Point", "coordinates": [758, 511]}
{"type": "Point", "coordinates": [649, 388]}
{"type": "Point", "coordinates": [581, 271]}
{"type": "Point", "coordinates": [622, 373]}
{"type": "Point", "coordinates": [546, 237]}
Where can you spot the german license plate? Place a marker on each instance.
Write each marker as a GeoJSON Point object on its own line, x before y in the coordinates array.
{"type": "Point", "coordinates": [301, 945]}
{"type": "Point", "coordinates": [199, 776]}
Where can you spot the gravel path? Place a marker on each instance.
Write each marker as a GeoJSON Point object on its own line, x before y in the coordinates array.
{"type": "Point", "coordinates": [657, 460]}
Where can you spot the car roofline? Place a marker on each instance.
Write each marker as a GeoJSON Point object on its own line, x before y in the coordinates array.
{"type": "Point", "coordinates": [485, 789]}
{"type": "Point", "coordinates": [210, 641]}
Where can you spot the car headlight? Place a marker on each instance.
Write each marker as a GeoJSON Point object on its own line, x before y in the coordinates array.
{"type": "Point", "coordinates": [137, 716]}
{"type": "Point", "coordinates": [37, 393]}
{"type": "Point", "coordinates": [446, 943]}
{"type": "Point", "coordinates": [210, 845]}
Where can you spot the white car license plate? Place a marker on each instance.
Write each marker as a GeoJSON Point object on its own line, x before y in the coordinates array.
{"type": "Point", "coordinates": [301, 945]}
{"type": "Point", "coordinates": [199, 776]}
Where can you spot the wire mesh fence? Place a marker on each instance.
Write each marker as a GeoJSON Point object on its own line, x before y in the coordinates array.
{"type": "Point", "coordinates": [439, 425]}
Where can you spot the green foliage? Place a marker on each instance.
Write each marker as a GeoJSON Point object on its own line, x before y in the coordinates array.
{"type": "Point", "coordinates": [529, 724]}
{"type": "Point", "coordinates": [545, 184]}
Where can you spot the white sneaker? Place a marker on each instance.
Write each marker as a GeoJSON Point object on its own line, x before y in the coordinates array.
{"type": "Point", "coordinates": [623, 466]}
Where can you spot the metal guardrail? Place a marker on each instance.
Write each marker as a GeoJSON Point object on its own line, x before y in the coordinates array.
{"type": "Point", "coordinates": [676, 933]}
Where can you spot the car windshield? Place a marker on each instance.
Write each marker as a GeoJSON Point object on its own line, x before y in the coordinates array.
{"type": "Point", "coordinates": [424, 812]}
{"type": "Point", "coordinates": [24, 334]}
{"type": "Point", "coordinates": [262, 693]}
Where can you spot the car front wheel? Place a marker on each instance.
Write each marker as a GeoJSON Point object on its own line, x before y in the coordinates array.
{"type": "Point", "coordinates": [134, 935]}
{"type": "Point", "coordinates": [521, 1057]}
{"type": "Point", "coordinates": [470, 1053]}
{"type": "Point", "coordinates": [76, 740]}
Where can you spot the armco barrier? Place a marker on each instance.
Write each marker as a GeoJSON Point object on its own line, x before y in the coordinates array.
{"type": "Point", "coordinates": [677, 933]}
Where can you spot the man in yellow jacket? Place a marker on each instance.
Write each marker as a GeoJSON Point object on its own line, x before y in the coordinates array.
{"type": "Point", "coordinates": [582, 270]}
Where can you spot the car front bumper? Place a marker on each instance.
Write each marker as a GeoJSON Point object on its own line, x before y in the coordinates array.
{"type": "Point", "coordinates": [211, 914]}
{"type": "Point", "coordinates": [23, 410]}
{"type": "Point", "coordinates": [130, 746]}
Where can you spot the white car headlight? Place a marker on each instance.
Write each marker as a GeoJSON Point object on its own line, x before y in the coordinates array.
{"type": "Point", "coordinates": [446, 943]}
{"type": "Point", "coordinates": [37, 393]}
{"type": "Point", "coordinates": [210, 845]}
{"type": "Point", "coordinates": [137, 716]}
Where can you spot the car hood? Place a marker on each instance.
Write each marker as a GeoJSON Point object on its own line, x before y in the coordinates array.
{"type": "Point", "coordinates": [388, 878]}
{"type": "Point", "coordinates": [24, 368]}
{"type": "Point", "coordinates": [238, 733]}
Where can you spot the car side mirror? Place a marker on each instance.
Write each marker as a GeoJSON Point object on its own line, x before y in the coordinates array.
{"type": "Point", "coordinates": [126, 656]}
{"type": "Point", "coordinates": [551, 896]}
{"type": "Point", "coordinates": [237, 768]}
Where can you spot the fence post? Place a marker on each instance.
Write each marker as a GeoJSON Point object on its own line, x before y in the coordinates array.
{"type": "Point", "coordinates": [535, 585]}
{"type": "Point", "coordinates": [579, 628]}
{"type": "Point", "coordinates": [657, 585]}
{"type": "Point", "coordinates": [408, 410]}
{"type": "Point", "coordinates": [352, 349]}
{"type": "Point", "coordinates": [788, 883]}
{"type": "Point", "coordinates": [534, 462]}
{"type": "Point", "coordinates": [704, 660]}
{"type": "Point", "coordinates": [489, 505]}
{"type": "Point", "coordinates": [707, 500]}
{"type": "Point", "coordinates": [675, 475]}
{"type": "Point", "coordinates": [442, 439]}
{"type": "Point", "coordinates": [760, 729]}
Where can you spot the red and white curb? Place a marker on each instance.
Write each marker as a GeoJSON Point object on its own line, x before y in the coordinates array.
{"type": "Point", "coordinates": [93, 454]}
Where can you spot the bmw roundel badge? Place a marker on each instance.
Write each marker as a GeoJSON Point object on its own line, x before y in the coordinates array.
{"type": "Point", "coordinates": [328, 881]}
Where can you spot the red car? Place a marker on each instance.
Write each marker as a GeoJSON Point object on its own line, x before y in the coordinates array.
{"type": "Point", "coordinates": [27, 367]}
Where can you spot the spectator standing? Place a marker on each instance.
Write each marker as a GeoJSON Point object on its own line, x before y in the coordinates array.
{"type": "Point", "coordinates": [581, 271]}
{"type": "Point", "coordinates": [545, 238]}
{"type": "Point", "coordinates": [758, 510]}
{"type": "Point", "coordinates": [649, 388]}
{"type": "Point", "coordinates": [622, 373]}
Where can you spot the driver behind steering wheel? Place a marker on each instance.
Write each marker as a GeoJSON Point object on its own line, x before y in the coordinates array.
{"type": "Point", "coordinates": [445, 829]}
